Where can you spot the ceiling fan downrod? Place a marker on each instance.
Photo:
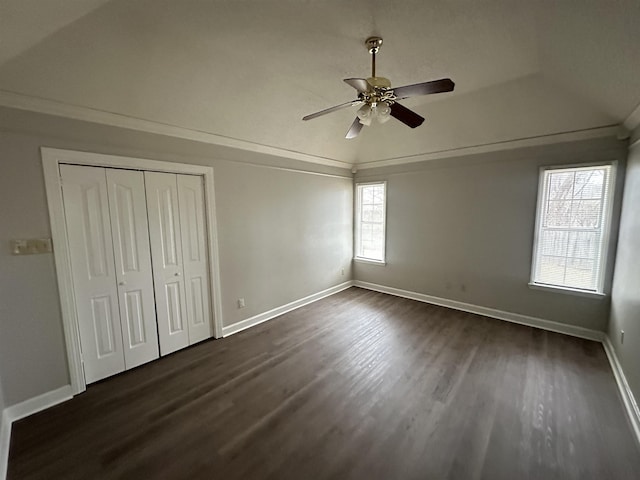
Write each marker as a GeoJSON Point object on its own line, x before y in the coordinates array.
{"type": "Point", "coordinates": [373, 44]}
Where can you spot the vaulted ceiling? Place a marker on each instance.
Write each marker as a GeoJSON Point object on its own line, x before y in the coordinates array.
{"type": "Point", "coordinates": [251, 69]}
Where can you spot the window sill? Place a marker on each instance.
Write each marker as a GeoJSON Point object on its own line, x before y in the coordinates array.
{"type": "Point", "coordinates": [567, 291]}
{"type": "Point", "coordinates": [380, 263]}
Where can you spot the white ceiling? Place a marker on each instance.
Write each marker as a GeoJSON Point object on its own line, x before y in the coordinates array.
{"type": "Point", "coordinates": [24, 23]}
{"type": "Point", "coordinates": [250, 69]}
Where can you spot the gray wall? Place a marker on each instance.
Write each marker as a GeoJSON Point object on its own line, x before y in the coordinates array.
{"type": "Point", "coordinates": [283, 234]}
{"type": "Point", "coordinates": [2, 405]}
{"type": "Point", "coordinates": [462, 229]}
{"type": "Point", "coordinates": [1, 402]}
{"type": "Point", "coordinates": [458, 228]}
{"type": "Point", "coordinates": [625, 301]}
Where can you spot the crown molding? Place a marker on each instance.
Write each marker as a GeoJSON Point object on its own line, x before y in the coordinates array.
{"type": "Point", "coordinates": [52, 107]}
{"type": "Point", "coordinates": [599, 132]}
{"type": "Point", "coordinates": [633, 120]}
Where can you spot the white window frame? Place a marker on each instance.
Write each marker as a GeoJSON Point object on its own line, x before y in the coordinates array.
{"type": "Point", "coordinates": [357, 224]}
{"type": "Point", "coordinates": [606, 212]}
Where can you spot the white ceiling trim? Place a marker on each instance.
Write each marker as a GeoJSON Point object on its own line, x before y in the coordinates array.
{"type": "Point", "coordinates": [633, 120]}
{"type": "Point", "coordinates": [599, 132]}
{"type": "Point", "coordinates": [51, 107]}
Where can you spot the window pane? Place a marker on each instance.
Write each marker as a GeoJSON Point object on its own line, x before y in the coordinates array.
{"type": "Point", "coordinates": [580, 273]}
{"type": "Point", "coordinates": [367, 195]}
{"type": "Point", "coordinates": [588, 184]}
{"type": "Point", "coordinates": [554, 242]}
{"type": "Point", "coordinates": [367, 232]}
{"type": "Point", "coordinates": [585, 213]}
{"type": "Point", "coordinates": [378, 194]}
{"type": "Point", "coordinates": [558, 214]}
{"type": "Point", "coordinates": [560, 185]}
{"type": "Point", "coordinates": [378, 233]}
{"type": "Point", "coordinates": [551, 270]}
{"type": "Point", "coordinates": [582, 245]}
{"type": "Point", "coordinates": [569, 249]}
{"type": "Point", "coordinates": [373, 248]}
{"type": "Point", "coordinates": [371, 220]}
{"type": "Point", "coordinates": [367, 213]}
{"type": "Point", "coordinates": [378, 214]}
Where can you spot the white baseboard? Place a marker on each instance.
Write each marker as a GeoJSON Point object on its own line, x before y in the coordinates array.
{"type": "Point", "coordinates": [24, 409]}
{"type": "Point", "coordinates": [488, 312]}
{"type": "Point", "coordinates": [631, 406]}
{"type": "Point", "coordinates": [276, 312]}
{"type": "Point", "coordinates": [444, 302]}
{"type": "Point", "coordinates": [39, 403]}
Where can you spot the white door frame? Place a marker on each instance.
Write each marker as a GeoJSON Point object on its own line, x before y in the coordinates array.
{"type": "Point", "coordinates": [51, 159]}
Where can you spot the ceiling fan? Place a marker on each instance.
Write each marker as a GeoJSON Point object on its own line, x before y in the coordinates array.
{"type": "Point", "coordinates": [379, 101]}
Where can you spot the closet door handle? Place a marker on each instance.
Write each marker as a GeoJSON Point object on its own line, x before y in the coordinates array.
{"type": "Point", "coordinates": [122, 283]}
{"type": "Point", "coordinates": [177, 274]}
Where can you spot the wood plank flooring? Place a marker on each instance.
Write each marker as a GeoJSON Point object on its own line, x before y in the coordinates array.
{"type": "Point", "coordinates": [360, 385]}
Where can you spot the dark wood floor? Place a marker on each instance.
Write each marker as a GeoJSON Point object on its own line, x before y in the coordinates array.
{"type": "Point", "coordinates": [360, 385]}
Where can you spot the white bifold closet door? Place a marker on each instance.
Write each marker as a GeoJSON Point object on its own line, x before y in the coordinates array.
{"type": "Point", "coordinates": [110, 258]}
{"type": "Point", "coordinates": [178, 237]}
{"type": "Point", "coordinates": [194, 256]}
{"type": "Point", "coordinates": [130, 233]}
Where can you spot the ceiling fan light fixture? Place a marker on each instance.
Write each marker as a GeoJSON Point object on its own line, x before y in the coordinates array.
{"type": "Point", "coordinates": [383, 112]}
{"type": "Point", "coordinates": [365, 114]}
{"type": "Point", "coordinates": [378, 111]}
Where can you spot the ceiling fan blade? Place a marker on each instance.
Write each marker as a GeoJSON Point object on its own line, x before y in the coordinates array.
{"type": "Point", "coordinates": [406, 116]}
{"type": "Point", "coordinates": [353, 132]}
{"type": "Point", "coordinates": [332, 109]}
{"type": "Point", "coordinates": [360, 84]}
{"type": "Point", "coordinates": [426, 88]}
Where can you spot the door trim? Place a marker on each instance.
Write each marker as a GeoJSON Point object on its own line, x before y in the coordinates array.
{"type": "Point", "coordinates": [51, 160]}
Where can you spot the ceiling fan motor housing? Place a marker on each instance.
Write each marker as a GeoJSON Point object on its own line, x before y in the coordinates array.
{"type": "Point", "coordinates": [380, 82]}
{"type": "Point", "coordinates": [379, 91]}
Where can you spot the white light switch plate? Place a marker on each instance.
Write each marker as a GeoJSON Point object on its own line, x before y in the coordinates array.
{"type": "Point", "coordinates": [31, 246]}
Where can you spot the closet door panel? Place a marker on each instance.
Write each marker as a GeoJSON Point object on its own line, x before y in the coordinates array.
{"type": "Point", "coordinates": [89, 233]}
{"type": "Point", "coordinates": [130, 232]}
{"type": "Point", "coordinates": [166, 256]}
{"type": "Point", "coordinates": [194, 254]}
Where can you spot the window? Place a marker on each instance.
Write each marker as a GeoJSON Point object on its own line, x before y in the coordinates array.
{"type": "Point", "coordinates": [370, 221]}
{"type": "Point", "coordinates": [572, 227]}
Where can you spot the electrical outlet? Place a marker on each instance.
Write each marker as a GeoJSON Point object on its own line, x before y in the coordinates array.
{"type": "Point", "coordinates": [621, 336]}
{"type": "Point", "coordinates": [342, 272]}
{"type": "Point", "coordinates": [241, 303]}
